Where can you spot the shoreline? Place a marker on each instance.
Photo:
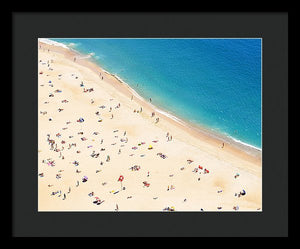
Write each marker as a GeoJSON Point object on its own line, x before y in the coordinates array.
{"type": "Point", "coordinates": [248, 148]}
{"type": "Point", "coordinates": [199, 132]}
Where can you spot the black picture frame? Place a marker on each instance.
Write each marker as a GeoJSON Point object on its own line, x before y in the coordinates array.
{"type": "Point", "coordinates": [27, 27]}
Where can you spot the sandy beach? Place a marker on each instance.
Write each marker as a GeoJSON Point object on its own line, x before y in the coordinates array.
{"type": "Point", "coordinates": [101, 147]}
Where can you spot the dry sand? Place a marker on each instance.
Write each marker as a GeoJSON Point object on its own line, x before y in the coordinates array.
{"type": "Point", "coordinates": [173, 181]}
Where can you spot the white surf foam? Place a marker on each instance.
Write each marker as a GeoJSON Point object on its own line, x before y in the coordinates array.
{"type": "Point", "coordinates": [51, 42]}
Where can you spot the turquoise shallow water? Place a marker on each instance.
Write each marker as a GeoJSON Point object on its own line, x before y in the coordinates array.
{"type": "Point", "coordinates": [215, 83]}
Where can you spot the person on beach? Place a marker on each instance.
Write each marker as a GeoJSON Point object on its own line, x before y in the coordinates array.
{"type": "Point", "coordinates": [243, 192]}
{"type": "Point", "coordinates": [150, 100]}
{"type": "Point", "coordinates": [236, 175]}
{"type": "Point", "coordinates": [153, 114]}
{"type": "Point", "coordinates": [74, 59]}
{"type": "Point", "coordinates": [223, 145]}
{"type": "Point", "coordinates": [236, 208]}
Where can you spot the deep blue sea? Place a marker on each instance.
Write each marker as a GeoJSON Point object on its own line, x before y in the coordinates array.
{"type": "Point", "coordinates": [215, 83]}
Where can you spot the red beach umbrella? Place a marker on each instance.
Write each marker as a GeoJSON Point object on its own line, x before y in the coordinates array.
{"type": "Point", "coordinates": [121, 178]}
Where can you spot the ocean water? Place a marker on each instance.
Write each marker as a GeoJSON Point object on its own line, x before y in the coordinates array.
{"type": "Point", "coordinates": [214, 83]}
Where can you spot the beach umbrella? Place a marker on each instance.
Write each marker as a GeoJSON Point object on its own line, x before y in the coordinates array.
{"type": "Point", "coordinates": [121, 178]}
